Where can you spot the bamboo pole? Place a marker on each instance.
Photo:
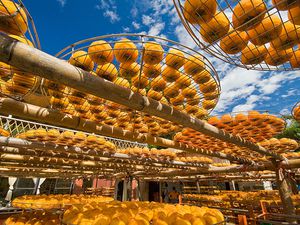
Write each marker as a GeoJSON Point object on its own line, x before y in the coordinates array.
{"type": "Point", "coordinates": [290, 164]}
{"type": "Point", "coordinates": [211, 178]}
{"type": "Point", "coordinates": [43, 115]}
{"type": "Point", "coordinates": [85, 170]}
{"type": "Point", "coordinates": [44, 65]}
{"type": "Point", "coordinates": [89, 165]}
{"type": "Point", "coordinates": [64, 152]}
{"type": "Point", "coordinates": [285, 192]}
{"type": "Point", "coordinates": [28, 166]}
{"type": "Point", "coordinates": [79, 158]}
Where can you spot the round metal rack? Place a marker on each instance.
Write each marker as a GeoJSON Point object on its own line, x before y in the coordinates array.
{"type": "Point", "coordinates": [152, 66]}
{"type": "Point", "coordinates": [252, 34]}
{"type": "Point", "coordinates": [17, 22]}
{"type": "Point", "coordinates": [296, 112]}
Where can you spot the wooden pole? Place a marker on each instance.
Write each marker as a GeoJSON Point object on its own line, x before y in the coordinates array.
{"type": "Point", "coordinates": [290, 164]}
{"type": "Point", "coordinates": [88, 165]}
{"type": "Point", "coordinates": [285, 193]}
{"type": "Point", "coordinates": [43, 115]}
{"type": "Point", "coordinates": [125, 190]}
{"type": "Point", "coordinates": [198, 187]}
{"type": "Point", "coordinates": [139, 190]}
{"type": "Point", "coordinates": [160, 192]}
{"type": "Point", "coordinates": [242, 220]}
{"type": "Point", "coordinates": [44, 65]}
{"type": "Point", "coordinates": [39, 149]}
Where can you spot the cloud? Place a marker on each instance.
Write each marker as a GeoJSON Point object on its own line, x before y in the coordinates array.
{"type": "Point", "coordinates": [290, 93]}
{"type": "Point", "coordinates": [238, 84]}
{"type": "Point", "coordinates": [134, 11]}
{"type": "Point", "coordinates": [243, 107]}
{"type": "Point", "coordinates": [183, 37]}
{"type": "Point", "coordinates": [112, 15]}
{"type": "Point", "coordinates": [249, 105]}
{"type": "Point", "coordinates": [275, 80]}
{"type": "Point", "coordinates": [136, 25]}
{"type": "Point", "coordinates": [239, 78]}
{"type": "Point", "coordinates": [285, 111]}
{"type": "Point", "coordinates": [156, 29]}
{"type": "Point", "coordinates": [109, 9]}
{"type": "Point", "coordinates": [62, 2]}
{"type": "Point", "coordinates": [147, 20]}
{"type": "Point", "coordinates": [246, 89]}
{"type": "Point", "coordinates": [126, 29]}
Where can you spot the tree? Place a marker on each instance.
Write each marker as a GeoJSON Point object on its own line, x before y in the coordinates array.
{"type": "Point", "coordinates": [291, 131]}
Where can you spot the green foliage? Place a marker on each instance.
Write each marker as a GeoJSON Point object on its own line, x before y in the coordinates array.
{"type": "Point", "coordinates": [292, 131]}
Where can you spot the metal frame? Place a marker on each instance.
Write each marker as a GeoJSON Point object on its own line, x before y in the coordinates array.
{"type": "Point", "coordinates": [140, 40]}
{"type": "Point", "coordinates": [13, 126]}
{"type": "Point", "coordinates": [34, 38]}
{"type": "Point", "coordinates": [214, 48]}
{"type": "Point", "coordinates": [292, 111]}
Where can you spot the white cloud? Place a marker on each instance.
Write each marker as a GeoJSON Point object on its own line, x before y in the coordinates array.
{"type": "Point", "coordinates": [147, 20]}
{"type": "Point", "coordinates": [249, 105]}
{"type": "Point", "coordinates": [243, 108]}
{"type": "Point", "coordinates": [239, 85]}
{"type": "Point", "coordinates": [290, 93]}
{"type": "Point", "coordinates": [110, 10]}
{"type": "Point", "coordinates": [228, 98]}
{"type": "Point", "coordinates": [285, 111]}
{"type": "Point", "coordinates": [103, 4]}
{"type": "Point", "coordinates": [281, 14]}
{"type": "Point", "coordinates": [183, 37]}
{"type": "Point", "coordinates": [134, 11]}
{"type": "Point", "coordinates": [112, 15]}
{"type": "Point", "coordinates": [275, 81]}
{"type": "Point", "coordinates": [156, 29]}
{"type": "Point", "coordinates": [126, 29]}
{"type": "Point", "coordinates": [62, 2]}
{"type": "Point", "coordinates": [239, 78]}
{"type": "Point", "coordinates": [136, 25]}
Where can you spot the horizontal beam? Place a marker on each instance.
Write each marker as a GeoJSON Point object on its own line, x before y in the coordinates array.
{"type": "Point", "coordinates": [44, 65]}
{"type": "Point", "coordinates": [287, 164]}
{"type": "Point", "coordinates": [31, 171]}
{"type": "Point", "coordinates": [213, 178]}
{"type": "Point", "coordinates": [53, 117]}
{"type": "Point", "coordinates": [15, 162]}
{"type": "Point", "coordinates": [24, 147]}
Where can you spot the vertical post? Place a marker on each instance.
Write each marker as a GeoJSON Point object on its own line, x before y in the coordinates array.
{"type": "Point", "coordinates": [139, 190]}
{"type": "Point", "coordinates": [130, 197]}
{"type": "Point", "coordinates": [198, 186]}
{"type": "Point", "coordinates": [285, 193]}
{"type": "Point", "coordinates": [36, 186]}
{"type": "Point", "coordinates": [71, 187]}
{"type": "Point", "coordinates": [55, 186]}
{"type": "Point", "coordinates": [233, 185]}
{"type": "Point", "coordinates": [267, 185]}
{"type": "Point", "coordinates": [160, 192]}
{"type": "Point", "coordinates": [116, 189]}
{"type": "Point", "coordinates": [242, 220]}
{"type": "Point", "coordinates": [124, 197]}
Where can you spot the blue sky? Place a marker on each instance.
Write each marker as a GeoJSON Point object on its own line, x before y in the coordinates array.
{"type": "Point", "coordinates": [62, 22]}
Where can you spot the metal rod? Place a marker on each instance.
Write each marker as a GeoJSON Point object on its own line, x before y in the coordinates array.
{"type": "Point", "coordinates": [44, 65]}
